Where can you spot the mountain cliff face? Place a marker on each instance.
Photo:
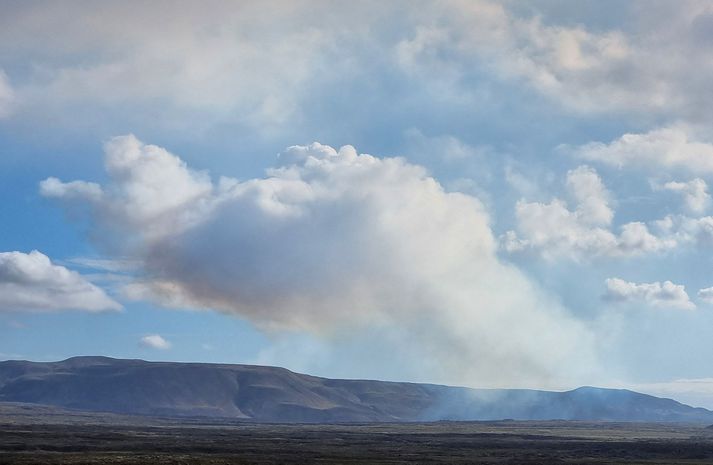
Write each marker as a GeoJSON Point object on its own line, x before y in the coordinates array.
{"type": "Point", "coordinates": [271, 394]}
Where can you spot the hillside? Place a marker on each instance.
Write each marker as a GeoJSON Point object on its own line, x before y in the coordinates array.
{"type": "Point", "coordinates": [271, 394]}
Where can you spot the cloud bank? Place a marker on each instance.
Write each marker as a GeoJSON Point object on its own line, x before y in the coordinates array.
{"type": "Point", "coordinates": [235, 60]}
{"type": "Point", "coordinates": [335, 243]}
{"type": "Point", "coordinates": [31, 282]}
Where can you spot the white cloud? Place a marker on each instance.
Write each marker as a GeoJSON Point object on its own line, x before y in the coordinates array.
{"type": "Point", "coordinates": [219, 56]}
{"type": "Point", "coordinates": [154, 341]}
{"type": "Point", "coordinates": [590, 195]}
{"type": "Point", "coordinates": [31, 282]}
{"type": "Point", "coordinates": [155, 189]}
{"type": "Point", "coordinates": [669, 148]}
{"type": "Point", "coordinates": [554, 230]}
{"type": "Point", "coordinates": [694, 192]}
{"type": "Point", "coordinates": [685, 230]}
{"type": "Point", "coordinates": [556, 60]}
{"type": "Point", "coordinates": [666, 294]}
{"type": "Point", "coordinates": [583, 69]}
{"type": "Point", "coordinates": [333, 242]}
{"type": "Point", "coordinates": [706, 295]}
{"type": "Point", "coordinates": [236, 60]}
{"type": "Point", "coordinates": [53, 187]}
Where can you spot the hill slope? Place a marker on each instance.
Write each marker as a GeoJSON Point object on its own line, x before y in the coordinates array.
{"type": "Point", "coordinates": [273, 394]}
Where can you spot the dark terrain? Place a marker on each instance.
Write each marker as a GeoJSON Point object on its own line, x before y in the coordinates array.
{"type": "Point", "coordinates": [97, 410]}
{"type": "Point", "coordinates": [31, 434]}
{"type": "Point", "coordinates": [270, 394]}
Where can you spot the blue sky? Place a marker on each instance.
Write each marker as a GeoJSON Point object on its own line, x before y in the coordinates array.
{"type": "Point", "coordinates": [495, 194]}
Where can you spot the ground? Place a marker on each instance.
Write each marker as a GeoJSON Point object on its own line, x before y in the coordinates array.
{"type": "Point", "coordinates": [29, 435]}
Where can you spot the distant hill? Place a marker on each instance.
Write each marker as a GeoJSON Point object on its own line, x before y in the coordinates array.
{"type": "Point", "coordinates": [270, 394]}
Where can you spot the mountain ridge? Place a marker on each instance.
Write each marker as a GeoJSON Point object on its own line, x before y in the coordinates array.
{"type": "Point", "coordinates": [276, 394]}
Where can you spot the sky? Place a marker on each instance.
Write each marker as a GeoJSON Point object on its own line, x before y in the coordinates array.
{"type": "Point", "coordinates": [479, 193]}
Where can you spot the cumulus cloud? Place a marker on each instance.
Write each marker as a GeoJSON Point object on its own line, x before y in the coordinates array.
{"type": "Point", "coordinates": [694, 192]}
{"type": "Point", "coordinates": [555, 230]}
{"type": "Point", "coordinates": [684, 230]}
{"type": "Point", "coordinates": [154, 189]}
{"type": "Point", "coordinates": [154, 341]}
{"type": "Point", "coordinates": [666, 294]}
{"type": "Point", "coordinates": [669, 148]}
{"type": "Point", "coordinates": [335, 242]}
{"type": "Point", "coordinates": [31, 282]}
{"type": "Point", "coordinates": [592, 198]}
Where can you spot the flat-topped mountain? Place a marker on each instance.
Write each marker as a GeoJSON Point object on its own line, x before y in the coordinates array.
{"type": "Point", "coordinates": [271, 394]}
